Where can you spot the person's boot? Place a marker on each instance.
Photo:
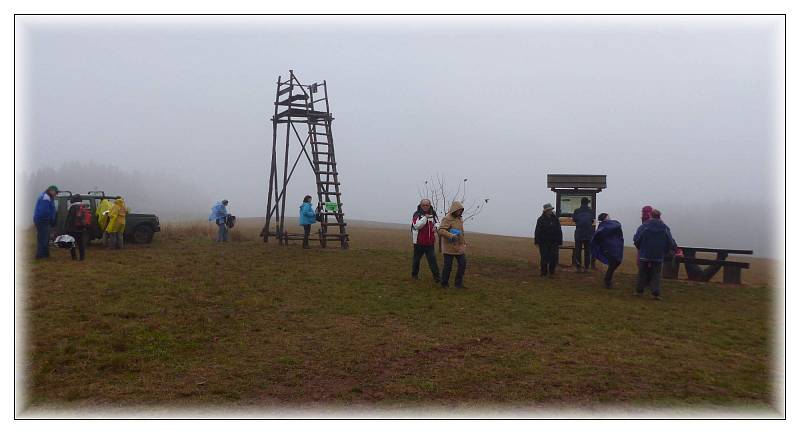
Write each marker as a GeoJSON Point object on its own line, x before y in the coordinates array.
{"type": "Point", "coordinates": [437, 279]}
{"type": "Point", "coordinates": [414, 277]}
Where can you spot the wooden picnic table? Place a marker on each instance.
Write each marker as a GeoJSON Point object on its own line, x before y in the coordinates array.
{"type": "Point", "coordinates": [732, 270]}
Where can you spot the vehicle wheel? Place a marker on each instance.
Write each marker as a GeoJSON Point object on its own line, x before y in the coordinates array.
{"type": "Point", "coordinates": [143, 234]}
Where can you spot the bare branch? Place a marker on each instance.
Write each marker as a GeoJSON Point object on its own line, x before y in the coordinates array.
{"type": "Point", "coordinates": [436, 191]}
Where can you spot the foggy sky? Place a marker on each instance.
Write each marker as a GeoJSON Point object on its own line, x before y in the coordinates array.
{"type": "Point", "coordinates": [678, 112]}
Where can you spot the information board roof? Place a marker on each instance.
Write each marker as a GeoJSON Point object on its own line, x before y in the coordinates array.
{"type": "Point", "coordinates": [576, 181]}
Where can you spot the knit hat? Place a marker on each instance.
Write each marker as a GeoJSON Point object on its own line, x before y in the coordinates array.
{"type": "Point", "coordinates": [53, 187]}
{"type": "Point", "coordinates": [602, 217]}
{"type": "Point", "coordinates": [547, 206]}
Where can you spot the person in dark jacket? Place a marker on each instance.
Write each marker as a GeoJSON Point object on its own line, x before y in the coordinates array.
{"type": "Point", "coordinates": [423, 235]}
{"type": "Point", "coordinates": [654, 241]}
{"type": "Point", "coordinates": [548, 237]}
{"type": "Point", "coordinates": [75, 228]}
{"type": "Point", "coordinates": [44, 217]}
{"type": "Point", "coordinates": [607, 245]}
{"type": "Point", "coordinates": [584, 222]}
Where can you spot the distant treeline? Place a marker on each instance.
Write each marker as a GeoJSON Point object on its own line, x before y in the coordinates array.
{"type": "Point", "coordinates": [157, 193]}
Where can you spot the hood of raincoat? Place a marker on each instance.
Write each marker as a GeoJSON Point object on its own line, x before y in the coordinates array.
{"type": "Point", "coordinates": [455, 207]}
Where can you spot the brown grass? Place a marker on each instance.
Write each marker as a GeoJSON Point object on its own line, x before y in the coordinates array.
{"type": "Point", "coordinates": [186, 321]}
{"type": "Point", "coordinates": [175, 232]}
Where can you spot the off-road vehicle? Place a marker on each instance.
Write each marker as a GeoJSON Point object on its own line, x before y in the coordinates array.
{"type": "Point", "coordinates": [139, 228]}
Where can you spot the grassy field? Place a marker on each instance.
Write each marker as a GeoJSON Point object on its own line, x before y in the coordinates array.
{"type": "Point", "coordinates": [186, 322]}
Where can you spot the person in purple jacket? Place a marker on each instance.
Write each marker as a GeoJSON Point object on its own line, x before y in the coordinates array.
{"type": "Point", "coordinates": [607, 245]}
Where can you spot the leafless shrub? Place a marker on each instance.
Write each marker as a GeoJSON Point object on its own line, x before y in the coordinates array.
{"type": "Point", "coordinates": [435, 188]}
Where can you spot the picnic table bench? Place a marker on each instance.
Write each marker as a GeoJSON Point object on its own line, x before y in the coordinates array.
{"type": "Point", "coordinates": [732, 270]}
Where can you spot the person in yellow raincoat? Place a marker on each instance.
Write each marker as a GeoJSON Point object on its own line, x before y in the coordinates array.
{"type": "Point", "coordinates": [116, 222]}
{"type": "Point", "coordinates": [102, 218]}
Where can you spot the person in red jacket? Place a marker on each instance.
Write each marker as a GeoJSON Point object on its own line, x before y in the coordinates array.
{"type": "Point", "coordinates": [423, 235]}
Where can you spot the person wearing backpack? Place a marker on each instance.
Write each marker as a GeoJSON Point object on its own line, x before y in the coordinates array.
{"type": "Point", "coordinates": [79, 218]}
{"type": "Point", "coordinates": [219, 215]}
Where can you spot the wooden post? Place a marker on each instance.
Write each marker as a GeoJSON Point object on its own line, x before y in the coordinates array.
{"type": "Point", "coordinates": [670, 268]}
{"type": "Point", "coordinates": [732, 274]}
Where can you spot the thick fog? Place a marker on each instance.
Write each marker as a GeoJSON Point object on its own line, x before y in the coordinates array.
{"type": "Point", "coordinates": [678, 112]}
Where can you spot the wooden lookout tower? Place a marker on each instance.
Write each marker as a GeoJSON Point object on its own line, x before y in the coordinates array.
{"type": "Point", "coordinates": [301, 124]}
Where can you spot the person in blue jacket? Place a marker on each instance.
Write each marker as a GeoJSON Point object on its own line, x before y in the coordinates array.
{"type": "Point", "coordinates": [219, 213]}
{"type": "Point", "coordinates": [307, 218]}
{"type": "Point", "coordinates": [44, 217]}
{"type": "Point", "coordinates": [607, 245]}
{"type": "Point", "coordinates": [654, 241]}
{"type": "Point", "coordinates": [584, 222]}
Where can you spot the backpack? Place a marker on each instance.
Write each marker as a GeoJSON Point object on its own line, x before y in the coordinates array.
{"type": "Point", "coordinates": [83, 218]}
{"type": "Point", "coordinates": [230, 220]}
